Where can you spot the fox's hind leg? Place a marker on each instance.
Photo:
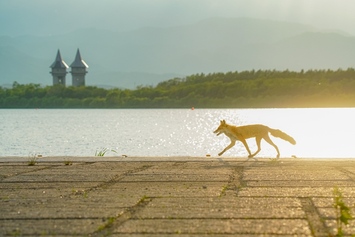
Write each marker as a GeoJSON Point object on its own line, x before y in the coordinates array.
{"type": "Point", "coordinates": [246, 146]}
{"type": "Point", "coordinates": [268, 140]}
{"type": "Point", "coordinates": [258, 140]}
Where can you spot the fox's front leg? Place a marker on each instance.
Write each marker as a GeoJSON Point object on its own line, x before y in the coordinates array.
{"type": "Point", "coordinates": [227, 148]}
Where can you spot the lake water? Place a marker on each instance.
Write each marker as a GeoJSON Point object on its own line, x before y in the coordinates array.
{"type": "Point", "coordinates": [320, 133]}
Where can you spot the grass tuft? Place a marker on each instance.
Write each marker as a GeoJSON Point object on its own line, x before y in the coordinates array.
{"type": "Point", "coordinates": [68, 162]}
{"type": "Point", "coordinates": [103, 151]}
{"type": "Point", "coordinates": [32, 159]}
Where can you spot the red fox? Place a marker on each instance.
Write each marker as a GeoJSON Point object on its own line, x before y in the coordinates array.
{"type": "Point", "coordinates": [258, 131]}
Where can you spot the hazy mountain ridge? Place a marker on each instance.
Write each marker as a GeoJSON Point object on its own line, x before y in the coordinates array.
{"type": "Point", "coordinates": [147, 56]}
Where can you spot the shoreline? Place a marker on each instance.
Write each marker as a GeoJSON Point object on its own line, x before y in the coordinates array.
{"type": "Point", "coordinates": [158, 158]}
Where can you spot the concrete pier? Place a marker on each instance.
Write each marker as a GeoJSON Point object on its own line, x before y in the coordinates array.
{"type": "Point", "coordinates": [173, 196]}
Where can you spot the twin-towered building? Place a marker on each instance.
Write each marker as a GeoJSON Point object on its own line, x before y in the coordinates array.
{"type": "Point", "coordinates": [78, 70]}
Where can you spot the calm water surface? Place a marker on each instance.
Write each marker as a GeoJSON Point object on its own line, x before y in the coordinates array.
{"type": "Point", "coordinates": [320, 133]}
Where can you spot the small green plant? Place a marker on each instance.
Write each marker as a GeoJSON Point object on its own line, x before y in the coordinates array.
{"type": "Point", "coordinates": [343, 214]}
{"type": "Point", "coordinates": [108, 224]}
{"type": "Point", "coordinates": [32, 159]}
{"type": "Point", "coordinates": [103, 151]}
{"type": "Point", "coordinates": [82, 193]}
{"type": "Point", "coordinates": [68, 162]}
{"type": "Point", "coordinates": [274, 160]}
{"type": "Point", "coordinates": [223, 191]}
{"type": "Point", "coordinates": [15, 232]}
{"type": "Point", "coordinates": [143, 199]}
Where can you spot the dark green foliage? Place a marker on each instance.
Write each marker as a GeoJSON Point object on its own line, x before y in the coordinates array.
{"type": "Point", "coordinates": [247, 89]}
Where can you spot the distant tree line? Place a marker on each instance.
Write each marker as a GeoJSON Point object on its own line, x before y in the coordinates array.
{"type": "Point", "coordinates": [246, 89]}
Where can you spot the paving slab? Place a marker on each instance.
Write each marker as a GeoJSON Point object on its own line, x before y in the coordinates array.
{"type": "Point", "coordinates": [216, 226]}
{"type": "Point", "coordinates": [173, 196]}
{"type": "Point", "coordinates": [219, 208]}
{"type": "Point", "coordinates": [49, 227]}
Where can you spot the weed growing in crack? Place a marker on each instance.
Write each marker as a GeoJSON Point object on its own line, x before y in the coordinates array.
{"type": "Point", "coordinates": [343, 214]}
{"type": "Point", "coordinates": [143, 199]}
{"type": "Point", "coordinates": [108, 224]}
{"type": "Point", "coordinates": [223, 191]}
{"type": "Point", "coordinates": [82, 193]}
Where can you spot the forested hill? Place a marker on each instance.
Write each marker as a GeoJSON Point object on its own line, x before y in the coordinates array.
{"type": "Point", "coordinates": [246, 89]}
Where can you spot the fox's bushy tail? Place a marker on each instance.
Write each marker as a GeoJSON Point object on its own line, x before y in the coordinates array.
{"type": "Point", "coordinates": [282, 135]}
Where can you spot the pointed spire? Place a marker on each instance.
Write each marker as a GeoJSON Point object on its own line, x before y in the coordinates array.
{"type": "Point", "coordinates": [59, 62]}
{"type": "Point", "coordinates": [79, 62]}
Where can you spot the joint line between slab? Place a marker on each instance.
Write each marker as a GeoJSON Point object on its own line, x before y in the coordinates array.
{"type": "Point", "coordinates": [316, 223]}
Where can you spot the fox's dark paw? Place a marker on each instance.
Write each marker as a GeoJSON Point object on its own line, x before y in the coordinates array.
{"type": "Point", "coordinates": [219, 154]}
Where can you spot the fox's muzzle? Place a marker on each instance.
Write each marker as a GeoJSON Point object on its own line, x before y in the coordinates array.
{"type": "Point", "coordinates": [218, 132]}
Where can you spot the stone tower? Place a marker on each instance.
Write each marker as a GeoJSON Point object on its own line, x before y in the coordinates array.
{"type": "Point", "coordinates": [59, 70]}
{"type": "Point", "coordinates": [78, 70]}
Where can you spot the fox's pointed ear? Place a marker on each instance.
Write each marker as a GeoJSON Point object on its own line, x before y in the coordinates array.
{"type": "Point", "coordinates": [223, 121]}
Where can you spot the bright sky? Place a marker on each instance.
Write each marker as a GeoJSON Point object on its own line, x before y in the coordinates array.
{"type": "Point", "coordinates": [42, 17]}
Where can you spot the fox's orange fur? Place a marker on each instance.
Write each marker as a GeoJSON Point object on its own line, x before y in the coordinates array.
{"type": "Point", "coordinates": [258, 131]}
